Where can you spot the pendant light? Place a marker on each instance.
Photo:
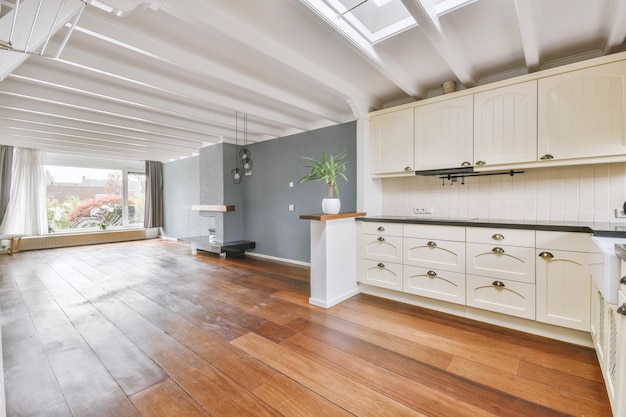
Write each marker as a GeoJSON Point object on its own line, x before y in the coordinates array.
{"type": "Point", "coordinates": [246, 160]}
{"type": "Point", "coordinates": [236, 173]}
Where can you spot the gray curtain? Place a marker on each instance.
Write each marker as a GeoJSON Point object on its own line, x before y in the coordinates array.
{"type": "Point", "coordinates": [6, 167]}
{"type": "Point", "coordinates": [154, 194]}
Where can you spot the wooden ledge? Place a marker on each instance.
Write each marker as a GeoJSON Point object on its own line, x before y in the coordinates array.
{"type": "Point", "coordinates": [324, 217]}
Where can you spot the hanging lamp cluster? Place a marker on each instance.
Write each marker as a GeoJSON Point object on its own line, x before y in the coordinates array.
{"type": "Point", "coordinates": [242, 157]}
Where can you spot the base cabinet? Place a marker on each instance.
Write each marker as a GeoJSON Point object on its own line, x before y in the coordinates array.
{"type": "Point", "coordinates": [502, 296]}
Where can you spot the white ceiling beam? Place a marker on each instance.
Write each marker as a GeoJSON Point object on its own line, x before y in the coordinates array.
{"type": "Point", "coordinates": [616, 27]}
{"type": "Point", "coordinates": [384, 64]}
{"type": "Point", "coordinates": [34, 97]}
{"type": "Point", "coordinates": [122, 36]}
{"type": "Point", "coordinates": [175, 87]}
{"type": "Point", "coordinates": [202, 118]}
{"type": "Point", "coordinates": [90, 136]}
{"type": "Point", "coordinates": [448, 47]}
{"type": "Point", "coordinates": [529, 33]}
{"type": "Point", "coordinates": [201, 13]}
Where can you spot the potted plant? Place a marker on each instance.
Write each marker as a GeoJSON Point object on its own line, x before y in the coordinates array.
{"type": "Point", "coordinates": [328, 170]}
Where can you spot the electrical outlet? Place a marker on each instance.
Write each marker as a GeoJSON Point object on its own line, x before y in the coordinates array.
{"type": "Point", "coordinates": [619, 214]}
{"type": "Point", "coordinates": [422, 210]}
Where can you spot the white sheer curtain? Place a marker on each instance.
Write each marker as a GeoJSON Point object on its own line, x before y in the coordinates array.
{"type": "Point", "coordinates": [26, 212]}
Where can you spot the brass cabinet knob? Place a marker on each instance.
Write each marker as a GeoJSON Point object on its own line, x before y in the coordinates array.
{"type": "Point", "coordinates": [546, 157]}
{"type": "Point", "coordinates": [431, 244]}
{"type": "Point", "coordinates": [480, 163]}
{"type": "Point", "coordinates": [623, 281]}
{"type": "Point", "coordinates": [381, 229]}
{"type": "Point", "coordinates": [497, 236]}
{"type": "Point", "coordinates": [431, 274]}
{"type": "Point", "coordinates": [381, 239]}
{"type": "Point", "coordinates": [621, 310]}
{"type": "Point", "coordinates": [408, 169]}
{"type": "Point", "coordinates": [497, 250]}
{"type": "Point", "coordinates": [498, 284]}
{"type": "Point", "coordinates": [381, 265]}
{"type": "Point", "coordinates": [546, 256]}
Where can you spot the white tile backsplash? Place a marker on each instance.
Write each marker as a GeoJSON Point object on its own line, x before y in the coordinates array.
{"type": "Point", "coordinates": [588, 193]}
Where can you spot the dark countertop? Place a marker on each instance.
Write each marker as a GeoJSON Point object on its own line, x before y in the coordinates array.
{"type": "Point", "coordinates": [598, 229]}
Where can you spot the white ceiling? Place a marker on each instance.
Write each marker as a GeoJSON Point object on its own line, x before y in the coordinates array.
{"type": "Point", "coordinates": [159, 79]}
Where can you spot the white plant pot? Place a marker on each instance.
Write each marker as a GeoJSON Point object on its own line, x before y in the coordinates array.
{"type": "Point", "coordinates": [331, 205]}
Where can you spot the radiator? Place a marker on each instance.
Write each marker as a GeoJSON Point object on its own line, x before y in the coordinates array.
{"type": "Point", "coordinates": [78, 239]}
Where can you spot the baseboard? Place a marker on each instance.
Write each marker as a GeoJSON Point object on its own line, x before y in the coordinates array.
{"type": "Point", "coordinates": [275, 258]}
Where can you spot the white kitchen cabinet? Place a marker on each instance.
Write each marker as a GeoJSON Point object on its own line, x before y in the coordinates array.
{"type": "Point", "coordinates": [620, 400]}
{"type": "Point", "coordinates": [392, 142]}
{"type": "Point", "coordinates": [500, 261]}
{"type": "Point", "coordinates": [563, 279]}
{"type": "Point", "coordinates": [381, 255]}
{"type": "Point", "coordinates": [438, 284]}
{"type": "Point", "coordinates": [563, 288]}
{"type": "Point", "coordinates": [502, 296]}
{"type": "Point", "coordinates": [505, 125]}
{"type": "Point", "coordinates": [597, 326]}
{"type": "Point", "coordinates": [444, 134]}
{"type": "Point", "coordinates": [582, 113]}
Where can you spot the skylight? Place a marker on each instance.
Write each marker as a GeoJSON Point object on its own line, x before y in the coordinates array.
{"type": "Point", "coordinates": [375, 20]}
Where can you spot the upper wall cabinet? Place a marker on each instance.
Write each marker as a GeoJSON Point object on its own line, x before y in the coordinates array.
{"type": "Point", "coordinates": [505, 125]}
{"type": "Point", "coordinates": [582, 113]}
{"type": "Point", "coordinates": [392, 142]}
{"type": "Point", "coordinates": [443, 134]}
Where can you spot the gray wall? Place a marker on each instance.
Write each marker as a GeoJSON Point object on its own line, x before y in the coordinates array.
{"type": "Point", "coordinates": [261, 200]}
{"type": "Point", "coordinates": [267, 220]}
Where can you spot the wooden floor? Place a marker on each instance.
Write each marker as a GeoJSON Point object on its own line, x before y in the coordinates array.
{"type": "Point", "coordinates": [147, 329]}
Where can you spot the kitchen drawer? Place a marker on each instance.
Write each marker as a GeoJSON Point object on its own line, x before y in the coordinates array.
{"type": "Point", "coordinates": [499, 236]}
{"type": "Point", "coordinates": [502, 296]}
{"type": "Point", "coordinates": [501, 262]}
{"type": "Point", "coordinates": [381, 228]}
{"type": "Point", "coordinates": [434, 254]}
{"type": "Point", "coordinates": [577, 242]}
{"type": "Point", "coordinates": [381, 248]}
{"type": "Point", "coordinates": [437, 284]}
{"type": "Point", "coordinates": [428, 231]}
{"type": "Point", "coordinates": [381, 274]}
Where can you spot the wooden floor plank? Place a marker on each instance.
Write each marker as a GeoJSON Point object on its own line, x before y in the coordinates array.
{"type": "Point", "coordinates": [147, 328]}
{"type": "Point", "coordinates": [343, 391]}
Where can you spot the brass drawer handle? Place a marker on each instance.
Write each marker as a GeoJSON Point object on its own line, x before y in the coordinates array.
{"type": "Point", "coordinates": [381, 229]}
{"type": "Point", "coordinates": [623, 281]}
{"type": "Point", "coordinates": [431, 244]}
{"type": "Point", "coordinates": [621, 310]}
{"type": "Point", "coordinates": [498, 284]}
{"type": "Point", "coordinates": [546, 256]}
{"type": "Point", "coordinates": [481, 163]}
{"type": "Point", "coordinates": [466, 164]}
{"type": "Point", "coordinates": [497, 236]}
{"type": "Point", "coordinates": [497, 250]}
{"type": "Point", "coordinates": [431, 274]}
{"type": "Point", "coordinates": [408, 169]}
{"type": "Point", "coordinates": [381, 239]}
{"type": "Point", "coordinates": [381, 265]}
{"type": "Point", "coordinates": [546, 157]}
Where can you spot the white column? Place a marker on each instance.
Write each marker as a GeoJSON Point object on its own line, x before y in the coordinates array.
{"type": "Point", "coordinates": [333, 261]}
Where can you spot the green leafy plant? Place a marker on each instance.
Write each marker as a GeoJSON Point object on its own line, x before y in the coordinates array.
{"type": "Point", "coordinates": [328, 170]}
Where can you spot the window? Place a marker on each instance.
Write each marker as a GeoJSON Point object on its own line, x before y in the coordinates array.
{"type": "Point", "coordinates": [93, 199]}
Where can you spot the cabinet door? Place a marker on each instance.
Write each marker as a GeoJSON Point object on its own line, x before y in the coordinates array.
{"type": "Point", "coordinates": [502, 296]}
{"type": "Point", "coordinates": [381, 248]}
{"type": "Point", "coordinates": [501, 262]}
{"type": "Point", "coordinates": [564, 289]}
{"type": "Point", "coordinates": [381, 274]}
{"type": "Point", "coordinates": [583, 113]}
{"type": "Point", "coordinates": [434, 253]}
{"type": "Point", "coordinates": [443, 134]}
{"type": "Point", "coordinates": [621, 361]}
{"type": "Point", "coordinates": [392, 142]}
{"type": "Point", "coordinates": [437, 284]}
{"type": "Point", "coordinates": [505, 125]}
